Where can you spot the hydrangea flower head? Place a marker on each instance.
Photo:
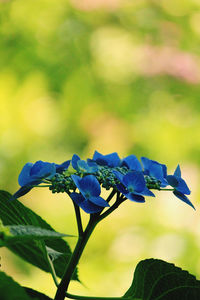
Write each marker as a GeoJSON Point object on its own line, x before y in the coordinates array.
{"type": "Point", "coordinates": [83, 166]}
{"type": "Point", "coordinates": [62, 167]}
{"type": "Point", "coordinates": [180, 187]}
{"type": "Point", "coordinates": [156, 170]}
{"type": "Point", "coordinates": [132, 163]}
{"type": "Point", "coordinates": [133, 186]}
{"type": "Point", "coordinates": [33, 174]}
{"type": "Point", "coordinates": [88, 198]}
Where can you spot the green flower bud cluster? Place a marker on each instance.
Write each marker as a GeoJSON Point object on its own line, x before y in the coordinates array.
{"type": "Point", "coordinates": [152, 183]}
{"type": "Point", "coordinates": [61, 183]}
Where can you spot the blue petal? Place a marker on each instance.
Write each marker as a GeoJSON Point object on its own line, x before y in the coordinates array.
{"type": "Point", "coordinates": [77, 198]}
{"type": "Point", "coordinates": [89, 184]}
{"type": "Point", "coordinates": [62, 167]}
{"type": "Point", "coordinates": [183, 198]}
{"type": "Point", "coordinates": [21, 192]}
{"type": "Point", "coordinates": [118, 175]}
{"type": "Point", "coordinates": [112, 160]}
{"type": "Point", "coordinates": [172, 180]}
{"type": "Point", "coordinates": [182, 187]}
{"type": "Point", "coordinates": [122, 189]}
{"type": "Point", "coordinates": [99, 201]}
{"type": "Point", "coordinates": [89, 167]}
{"type": "Point", "coordinates": [24, 176]}
{"type": "Point", "coordinates": [136, 198]}
{"type": "Point", "coordinates": [75, 159]}
{"type": "Point", "coordinates": [93, 166]}
{"type": "Point", "coordinates": [132, 163]}
{"type": "Point", "coordinates": [82, 166]}
{"type": "Point", "coordinates": [42, 169]}
{"type": "Point", "coordinates": [164, 168]}
{"type": "Point", "coordinates": [90, 208]}
{"type": "Point", "coordinates": [147, 192]}
{"type": "Point", "coordinates": [86, 205]}
{"type": "Point", "coordinates": [134, 180]}
{"type": "Point", "coordinates": [99, 158]}
{"type": "Point", "coordinates": [155, 169]}
{"type": "Point", "coordinates": [177, 172]}
{"type": "Point", "coordinates": [76, 180]}
{"type": "Point", "coordinates": [146, 164]}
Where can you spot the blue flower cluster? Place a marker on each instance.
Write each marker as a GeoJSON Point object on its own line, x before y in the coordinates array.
{"type": "Point", "coordinates": [82, 179]}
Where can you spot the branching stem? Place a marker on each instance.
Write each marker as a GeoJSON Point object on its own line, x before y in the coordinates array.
{"type": "Point", "coordinates": [81, 243]}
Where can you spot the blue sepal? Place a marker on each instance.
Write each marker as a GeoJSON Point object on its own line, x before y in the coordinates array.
{"type": "Point", "coordinates": [99, 201]}
{"type": "Point", "coordinates": [87, 185]}
{"type": "Point", "coordinates": [134, 181]}
{"type": "Point", "coordinates": [21, 192]}
{"type": "Point", "coordinates": [62, 167]}
{"type": "Point", "coordinates": [172, 180]}
{"type": "Point", "coordinates": [177, 172]}
{"type": "Point", "coordinates": [75, 159]}
{"type": "Point", "coordinates": [136, 198]}
{"type": "Point", "coordinates": [132, 163]}
{"type": "Point", "coordinates": [111, 160]}
{"type": "Point", "coordinates": [86, 205]}
{"type": "Point", "coordinates": [184, 198]}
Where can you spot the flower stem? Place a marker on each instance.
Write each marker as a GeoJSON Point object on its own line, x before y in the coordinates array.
{"type": "Point", "coordinates": [81, 243]}
{"type": "Point", "coordinates": [119, 200]}
{"type": "Point", "coordinates": [78, 219]}
{"type": "Point", "coordinates": [166, 189]}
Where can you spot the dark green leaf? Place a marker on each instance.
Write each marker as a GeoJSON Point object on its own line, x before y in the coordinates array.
{"type": "Point", "coordinates": [15, 213]}
{"type": "Point", "coordinates": [158, 280]}
{"type": "Point", "coordinates": [19, 233]}
{"type": "Point", "coordinates": [35, 294]}
{"type": "Point", "coordinates": [11, 290]}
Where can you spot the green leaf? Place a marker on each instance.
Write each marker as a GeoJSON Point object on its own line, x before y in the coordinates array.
{"type": "Point", "coordinates": [34, 251]}
{"type": "Point", "coordinates": [35, 294]}
{"type": "Point", "coordinates": [158, 280]}
{"type": "Point", "coordinates": [11, 290]}
{"type": "Point", "coordinates": [19, 233]}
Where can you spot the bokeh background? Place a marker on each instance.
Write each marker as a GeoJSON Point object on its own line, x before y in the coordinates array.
{"type": "Point", "coordinates": [107, 75]}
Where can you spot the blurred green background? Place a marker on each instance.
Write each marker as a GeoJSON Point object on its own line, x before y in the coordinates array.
{"type": "Point", "coordinates": [107, 75]}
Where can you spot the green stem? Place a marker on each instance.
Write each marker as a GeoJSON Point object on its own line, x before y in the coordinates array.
{"type": "Point", "coordinates": [78, 219]}
{"type": "Point", "coordinates": [81, 243]}
{"type": "Point", "coordinates": [52, 270]}
{"type": "Point", "coordinates": [111, 195]}
{"type": "Point", "coordinates": [166, 189]}
{"type": "Point", "coordinates": [45, 185]}
{"type": "Point", "coordinates": [119, 200]}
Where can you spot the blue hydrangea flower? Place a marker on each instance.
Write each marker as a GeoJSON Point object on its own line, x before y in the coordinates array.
{"type": "Point", "coordinates": [88, 198]}
{"type": "Point", "coordinates": [156, 170]}
{"type": "Point", "coordinates": [133, 186]}
{"type": "Point", "coordinates": [62, 167]}
{"type": "Point", "coordinates": [132, 163]}
{"type": "Point", "coordinates": [180, 187]}
{"type": "Point", "coordinates": [83, 166]}
{"type": "Point", "coordinates": [111, 160]}
{"type": "Point", "coordinates": [33, 174]}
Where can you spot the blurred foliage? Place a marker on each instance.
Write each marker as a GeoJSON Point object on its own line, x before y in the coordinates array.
{"type": "Point", "coordinates": [110, 75]}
